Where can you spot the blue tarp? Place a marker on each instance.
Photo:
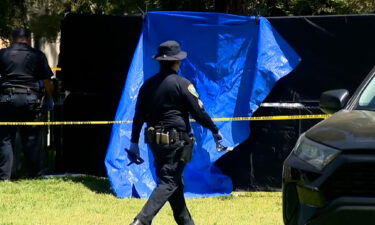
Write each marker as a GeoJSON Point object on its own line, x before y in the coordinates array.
{"type": "Point", "coordinates": [233, 61]}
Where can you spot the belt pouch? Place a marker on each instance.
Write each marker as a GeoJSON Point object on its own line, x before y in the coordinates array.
{"type": "Point", "coordinates": [164, 138]}
{"type": "Point", "coordinates": [157, 137]}
{"type": "Point", "coordinates": [150, 135]}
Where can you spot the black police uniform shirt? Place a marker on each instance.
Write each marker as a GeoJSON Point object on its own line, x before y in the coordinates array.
{"type": "Point", "coordinates": [167, 99]}
{"type": "Point", "coordinates": [22, 66]}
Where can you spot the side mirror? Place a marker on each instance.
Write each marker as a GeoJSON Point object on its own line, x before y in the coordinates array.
{"type": "Point", "coordinates": [333, 100]}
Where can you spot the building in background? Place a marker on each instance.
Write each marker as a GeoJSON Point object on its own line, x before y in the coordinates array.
{"type": "Point", "coordinates": [51, 50]}
{"type": "Point", "coordinates": [2, 44]}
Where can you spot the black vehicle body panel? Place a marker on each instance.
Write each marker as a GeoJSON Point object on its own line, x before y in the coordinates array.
{"type": "Point", "coordinates": [347, 129]}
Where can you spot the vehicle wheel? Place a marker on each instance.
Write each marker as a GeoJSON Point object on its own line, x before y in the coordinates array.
{"type": "Point", "coordinates": [291, 204]}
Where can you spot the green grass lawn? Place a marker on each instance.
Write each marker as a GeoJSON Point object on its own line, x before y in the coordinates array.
{"type": "Point", "coordinates": [88, 200]}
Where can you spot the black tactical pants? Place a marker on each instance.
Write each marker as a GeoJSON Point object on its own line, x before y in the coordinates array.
{"type": "Point", "coordinates": [170, 187]}
{"type": "Point", "coordinates": [20, 107]}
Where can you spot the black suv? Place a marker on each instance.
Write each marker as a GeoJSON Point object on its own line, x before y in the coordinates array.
{"type": "Point", "coordinates": [329, 177]}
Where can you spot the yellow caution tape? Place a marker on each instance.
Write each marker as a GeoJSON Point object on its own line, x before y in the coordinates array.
{"type": "Point", "coordinates": [264, 118]}
{"type": "Point", "coordinates": [295, 117]}
{"type": "Point", "coordinates": [62, 123]}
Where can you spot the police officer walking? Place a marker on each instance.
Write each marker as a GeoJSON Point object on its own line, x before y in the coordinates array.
{"type": "Point", "coordinates": [165, 102]}
{"type": "Point", "coordinates": [23, 72]}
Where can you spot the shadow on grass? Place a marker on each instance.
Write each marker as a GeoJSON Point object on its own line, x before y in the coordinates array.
{"type": "Point", "coordinates": [98, 185]}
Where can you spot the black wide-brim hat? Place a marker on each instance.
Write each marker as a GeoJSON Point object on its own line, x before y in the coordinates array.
{"type": "Point", "coordinates": [170, 51]}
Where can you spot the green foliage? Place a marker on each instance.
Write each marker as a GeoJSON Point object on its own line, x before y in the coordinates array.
{"type": "Point", "coordinates": [88, 200]}
{"type": "Point", "coordinates": [12, 14]}
{"type": "Point", "coordinates": [308, 7]}
{"type": "Point", "coordinates": [314, 7]}
{"type": "Point", "coordinates": [44, 16]}
{"type": "Point", "coordinates": [361, 6]}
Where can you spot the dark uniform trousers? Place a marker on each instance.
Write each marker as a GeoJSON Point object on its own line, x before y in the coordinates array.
{"type": "Point", "coordinates": [20, 107]}
{"type": "Point", "coordinates": [170, 187]}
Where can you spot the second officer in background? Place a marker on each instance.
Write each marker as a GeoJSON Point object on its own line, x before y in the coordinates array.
{"type": "Point", "coordinates": [22, 71]}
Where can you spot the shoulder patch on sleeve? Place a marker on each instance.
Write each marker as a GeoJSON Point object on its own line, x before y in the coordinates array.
{"type": "Point", "coordinates": [192, 90]}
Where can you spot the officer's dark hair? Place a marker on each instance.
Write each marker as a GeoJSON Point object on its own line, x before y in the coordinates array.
{"type": "Point", "coordinates": [166, 64]}
{"type": "Point", "coordinates": [21, 32]}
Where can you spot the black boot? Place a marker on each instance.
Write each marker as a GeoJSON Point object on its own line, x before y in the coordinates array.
{"type": "Point", "coordinates": [137, 222]}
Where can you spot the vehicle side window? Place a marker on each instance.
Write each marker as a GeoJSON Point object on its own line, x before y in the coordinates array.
{"type": "Point", "coordinates": [367, 98]}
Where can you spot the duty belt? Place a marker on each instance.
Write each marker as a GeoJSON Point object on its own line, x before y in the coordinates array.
{"type": "Point", "coordinates": [162, 136]}
{"type": "Point", "coordinates": [18, 91]}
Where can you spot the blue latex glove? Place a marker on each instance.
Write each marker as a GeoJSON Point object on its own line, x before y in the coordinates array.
{"type": "Point", "coordinates": [218, 138]}
{"type": "Point", "coordinates": [219, 146]}
{"type": "Point", "coordinates": [133, 154]}
{"type": "Point", "coordinates": [49, 104]}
